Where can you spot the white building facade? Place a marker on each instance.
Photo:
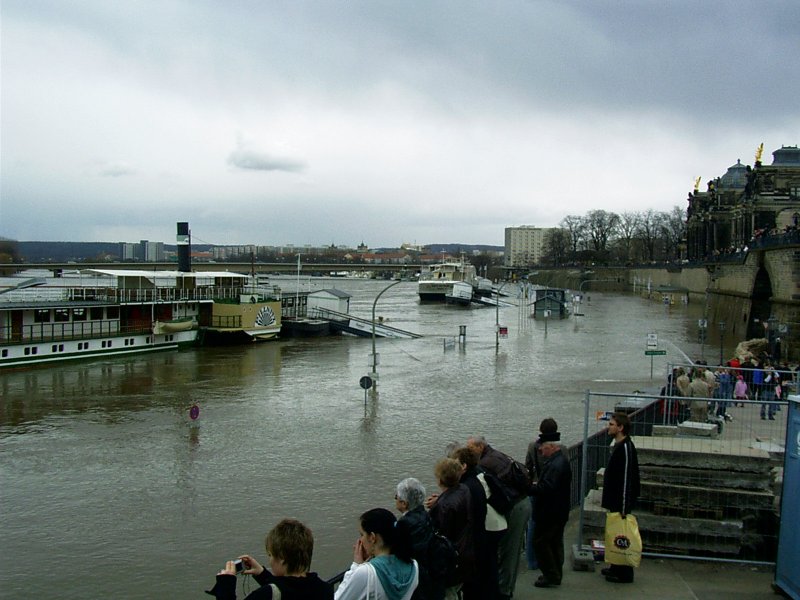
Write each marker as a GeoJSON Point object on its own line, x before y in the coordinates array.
{"type": "Point", "coordinates": [525, 245]}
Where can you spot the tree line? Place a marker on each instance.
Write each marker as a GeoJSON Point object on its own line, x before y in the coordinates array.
{"type": "Point", "coordinates": [603, 237]}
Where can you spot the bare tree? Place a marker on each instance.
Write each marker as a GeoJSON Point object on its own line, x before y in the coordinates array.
{"type": "Point", "coordinates": [648, 232]}
{"type": "Point", "coordinates": [556, 246]}
{"type": "Point", "coordinates": [576, 229]}
{"type": "Point", "coordinates": [673, 231]}
{"type": "Point", "coordinates": [626, 229]}
{"type": "Point", "coordinates": [601, 227]}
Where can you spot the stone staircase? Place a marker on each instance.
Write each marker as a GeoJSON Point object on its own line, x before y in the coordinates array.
{"type": "Point", "coordinates": [701, 497]}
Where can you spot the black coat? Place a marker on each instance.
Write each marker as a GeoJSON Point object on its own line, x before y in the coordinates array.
{"type": "Point", "coordinates": [552, 490]}
{"type": "Point", "coordinates": [621, 479]}
{"type": "Point", "coordinates": [452, 517]}
{"type": "Point", "coordinates": [420, 529]}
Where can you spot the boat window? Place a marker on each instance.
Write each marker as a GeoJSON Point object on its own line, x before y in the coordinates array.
{"type": "Point", "coordinates": [61, 315]}
{"type": "Point", "coordinates": [78, 314]}
{"type": "Point", "coordinates": [41, 315]}
{"type": "Point", "coordinates": [112, 312]}
{"type": "Point", "coordinates": [96, 313]}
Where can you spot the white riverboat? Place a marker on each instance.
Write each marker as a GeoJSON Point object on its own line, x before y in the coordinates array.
{"type": "Point", "coordinates": [436, 282]}
{"type": "Point", "coordinates": [48, 317]}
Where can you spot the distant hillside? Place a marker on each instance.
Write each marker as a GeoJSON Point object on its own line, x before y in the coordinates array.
{"type": "Point", "coordinates": [61, 252]}
{"type": "Point", "coordinates": [39, 252]}
{"type": "Point", "coordinates": [454, 249]}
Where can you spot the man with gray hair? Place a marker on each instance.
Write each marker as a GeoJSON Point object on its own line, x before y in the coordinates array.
{"type": "Point", "coordinates": [409, 500]}
{"type": "Point", "coordinates": [516, 484]}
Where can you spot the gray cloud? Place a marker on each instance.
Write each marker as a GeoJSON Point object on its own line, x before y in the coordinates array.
{"type": "Point", "coordinates": [117, 169]}
{"type": "Point", "coordinates": [516, 112]}
{"type": "Point", "coordinates": [255, 161]}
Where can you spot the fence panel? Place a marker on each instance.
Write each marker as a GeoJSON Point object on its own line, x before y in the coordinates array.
{"type": "Point", "coordinates": [709, 487]}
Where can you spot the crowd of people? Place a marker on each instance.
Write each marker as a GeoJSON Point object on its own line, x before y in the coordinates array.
{"type": "Point", "coordinates": [705, 393]}
{"type": "Point", "coordinates": [464, 541]}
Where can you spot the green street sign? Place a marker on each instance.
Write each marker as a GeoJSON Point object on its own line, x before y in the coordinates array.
{"type": "Point", "coordinates": [655, 352]}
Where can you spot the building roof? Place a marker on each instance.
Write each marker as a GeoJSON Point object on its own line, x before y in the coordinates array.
{"type": "Point", "coordinates": [735, 178]}
{"type": "Point", "coordinates": [786, 156]}
{"type": "Point", "coordinates": [332, 292]}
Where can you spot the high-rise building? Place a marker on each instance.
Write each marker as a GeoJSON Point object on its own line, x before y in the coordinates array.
{"type": "Point", "coordinates": [127, 251]}
{"type": "Point", "coordinates": [151, 251]}
{"type": "Point", "coordinates": [525, 245]}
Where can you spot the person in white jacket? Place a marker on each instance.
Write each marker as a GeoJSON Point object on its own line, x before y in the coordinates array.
{"type": "Point", "coordinates": [382, 566]}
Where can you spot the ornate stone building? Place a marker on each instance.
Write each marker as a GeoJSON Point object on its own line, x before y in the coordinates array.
{"type": "Point", "coordinates": [744, 204]}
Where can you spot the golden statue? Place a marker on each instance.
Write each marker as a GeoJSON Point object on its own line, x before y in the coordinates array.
{"type": "Point", "coordinates": [759, 152]}
{"type": "Point", "coordinates": [697, 184]}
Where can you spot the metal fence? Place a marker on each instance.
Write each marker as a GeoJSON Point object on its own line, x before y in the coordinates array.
{"type": "Point", "coordinates": [710, 488]}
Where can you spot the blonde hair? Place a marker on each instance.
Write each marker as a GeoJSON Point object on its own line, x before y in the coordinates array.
{"type": "Point", "coordinates": [448, 472]}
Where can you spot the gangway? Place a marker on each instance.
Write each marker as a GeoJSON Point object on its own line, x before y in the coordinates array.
{"type": "Point", "coordinates": [489, 301]}
{"type": "Point", "coordinates": [347, 323]}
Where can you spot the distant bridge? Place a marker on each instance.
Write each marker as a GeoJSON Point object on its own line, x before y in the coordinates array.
{"type": "Point", "coordinates": [238, 267]}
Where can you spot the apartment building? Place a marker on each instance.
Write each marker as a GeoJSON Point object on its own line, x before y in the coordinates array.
{"type": "Point", "coordinates": [525, 245]}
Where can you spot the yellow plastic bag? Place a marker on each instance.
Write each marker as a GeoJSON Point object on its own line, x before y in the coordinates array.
{"type": "Point", "coordinates": [623, 542]}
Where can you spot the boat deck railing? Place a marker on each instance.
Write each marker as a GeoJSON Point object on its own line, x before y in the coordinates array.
{"type": "Point", "coordinates": [59, 332]}
{"type": "Point", "coordinates": [110, 295]}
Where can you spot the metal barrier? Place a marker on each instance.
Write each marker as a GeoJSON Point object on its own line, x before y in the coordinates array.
{"type": "Point", "coordinates": [709, 489]}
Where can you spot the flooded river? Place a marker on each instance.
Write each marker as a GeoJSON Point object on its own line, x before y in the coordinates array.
{"type": "Point", "coordinates": [107, 490]}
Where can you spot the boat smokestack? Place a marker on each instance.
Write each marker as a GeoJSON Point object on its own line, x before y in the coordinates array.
{"type": "Point", "coordinates": [184, 242]}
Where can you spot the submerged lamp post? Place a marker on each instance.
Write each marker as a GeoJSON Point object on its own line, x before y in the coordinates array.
{"type": "Point", "coordinates": [374, 373]}
{"type": "Point", "coordinates": [497, 319]}
{"type": "Point", "coordinates": [721, 339]}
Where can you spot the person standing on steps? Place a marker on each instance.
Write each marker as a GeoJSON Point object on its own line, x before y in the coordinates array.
{"type": "Point", "coordinates": [620, 484]}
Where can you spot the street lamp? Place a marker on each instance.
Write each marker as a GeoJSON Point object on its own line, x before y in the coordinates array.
{"type": "Point", "coordinates": [374, 373]}
{"type": "Point", "coordinates": [721, 339]}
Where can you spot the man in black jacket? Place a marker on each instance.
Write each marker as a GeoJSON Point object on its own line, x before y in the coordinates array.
{"type": "Point", "coordinates": [620, 484]}
{"type": "Point", "coordinates": [514, 478]}
{"type": "Point", "coordinates": [552, 493]}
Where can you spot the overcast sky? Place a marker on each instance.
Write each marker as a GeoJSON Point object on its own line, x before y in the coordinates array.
{"type": "Point", "coordinates": [336, 122]}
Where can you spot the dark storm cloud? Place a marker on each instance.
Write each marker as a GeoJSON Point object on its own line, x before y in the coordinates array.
{"type": "Point", "coordinates": [254, 161]}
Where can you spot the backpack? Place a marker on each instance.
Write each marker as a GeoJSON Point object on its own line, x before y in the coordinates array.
{"type": "Point", "coordinates": [514, 477]}
{"type": "Point", "coordinates": [442, 560]}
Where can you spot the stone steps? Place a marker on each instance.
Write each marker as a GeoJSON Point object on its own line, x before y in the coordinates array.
{"type": "Point", "coordinates": [700, 496]}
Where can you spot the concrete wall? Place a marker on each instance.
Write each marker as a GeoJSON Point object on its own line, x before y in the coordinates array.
{"type": "Point", "coordinates": [727, 287]}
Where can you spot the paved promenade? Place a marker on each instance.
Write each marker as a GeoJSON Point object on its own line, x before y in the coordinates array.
{"type": "Point", "coordinates": [655, 578]}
